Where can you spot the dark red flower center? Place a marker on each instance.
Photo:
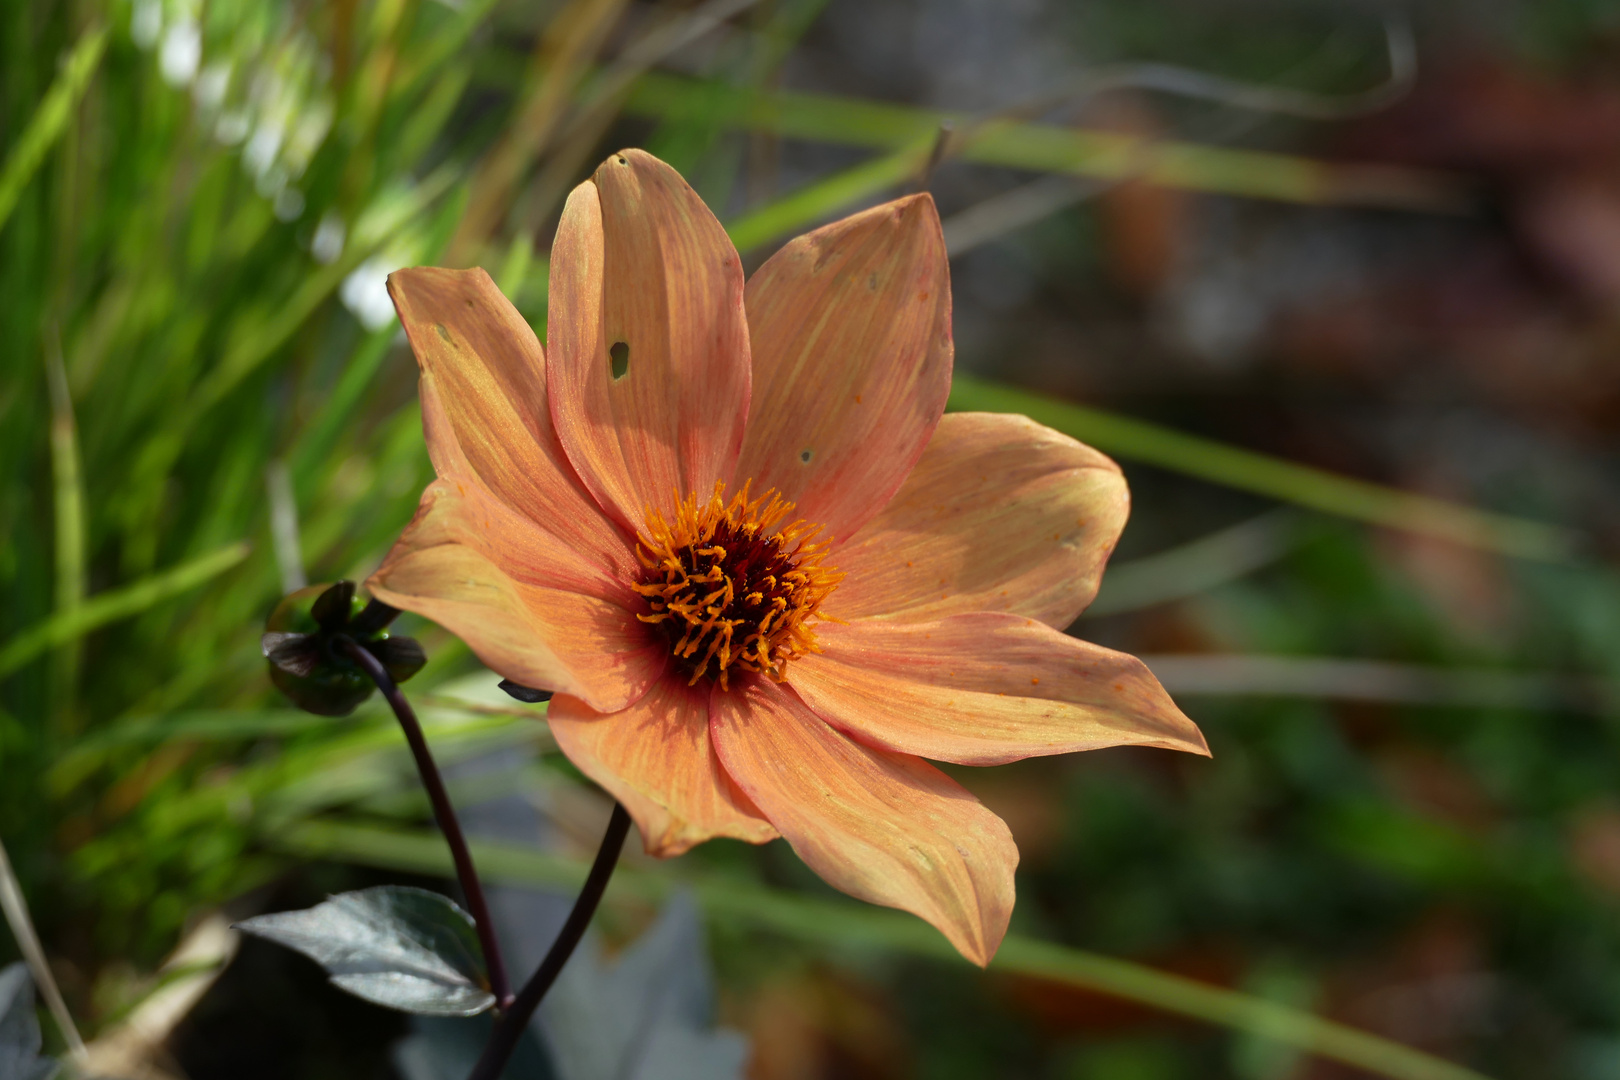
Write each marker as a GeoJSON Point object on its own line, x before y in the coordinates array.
{"type": "Point", "coordinates": [729, 586]}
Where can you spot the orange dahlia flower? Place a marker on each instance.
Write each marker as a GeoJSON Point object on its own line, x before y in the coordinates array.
{"type": "Point", "coordinates": [768, 581]}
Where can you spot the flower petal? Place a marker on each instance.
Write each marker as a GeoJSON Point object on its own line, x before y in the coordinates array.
{"type": "Point", "coordinates": [884, 827]}
{"type": "Point", "coordinates": [655, 757]}
{"type": "Point", "coordinates": [524, 548]}
{"type": "Point", "coordinates": [985, 689]}
{"type": "Point", "coordinates": [851, 336]}
{"type": "Point", "coordinates": [649, 372]}
{"type": "Point", "coordinates": [556, 639]}
{"type": "Point", "coordinates": [489, 429]}
{"type": "Point", "coordinates": [1001, 514]}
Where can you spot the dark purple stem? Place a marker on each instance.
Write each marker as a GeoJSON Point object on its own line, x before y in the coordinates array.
{"type": "Point", "coordinates": [509, 1028]}
{"type": "Point", "coordinates": [443, 813]}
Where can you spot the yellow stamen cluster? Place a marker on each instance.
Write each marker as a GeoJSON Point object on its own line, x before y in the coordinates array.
{"type": "Point", "coordinates": [731, 586]}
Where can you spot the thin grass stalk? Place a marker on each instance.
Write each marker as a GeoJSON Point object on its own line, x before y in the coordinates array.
{"type": "Point", "coordinates": [67, 484]}
{"type": "Point", "coordinates": [826, 197]}
{"type": "Point", "coordinates": [603, 100]}
{"type": "Point", "coordinates": [1261, 474]}
{"type": "Point", "coordinates": [284, 526]}
{"type": "Point", "coordinates": [114, 604]}
{"type": "Point", "coordinates": [561, 60]}
{"type": "Point", "coordinates": [1048, 148]}
{"type": "Point", "coordinates": [15, 908]}
{"type": "Point", "coordinates": [50, 119]}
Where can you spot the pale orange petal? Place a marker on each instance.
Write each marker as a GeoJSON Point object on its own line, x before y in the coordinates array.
{"type": "Point", "coordinates": [489, 429]}
{"type": "Point", "coordinates": [527, 550]}
{"type": "Point", "coordinates": [639, 261]}
{"type": "Point", "coordinates": [985, 689]}
{"type": "Point", "coordinates": [1001, 514]}
{"type": "Point", "coordinates": [549, 638]}
{"type": "Point", "coordinates": [655, 757]}
{"type": "Point", "coordinates": [884, 827]}
{"type": "Point", "coordinates": [851, 335]}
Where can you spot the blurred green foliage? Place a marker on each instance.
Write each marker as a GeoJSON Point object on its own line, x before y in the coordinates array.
{"type": "Point", "coordinates": [160, 265]}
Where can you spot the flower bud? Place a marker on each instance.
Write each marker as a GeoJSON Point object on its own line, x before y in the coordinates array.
{"type": "Point", "coordinates": [302, 645]}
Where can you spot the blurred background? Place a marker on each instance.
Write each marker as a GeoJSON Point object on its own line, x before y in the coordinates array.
{"type": "Point", "coordinates": [1338, 283]}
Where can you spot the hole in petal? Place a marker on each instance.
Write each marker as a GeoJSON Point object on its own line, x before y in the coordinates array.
{"type": "Point", "coordinates": [619, 354]}
{"type": "Point", "coordinates": [805, 456]}
{"type": "Point", "coordinates": [442, 332]}
{"type": "Point", "coordinates": [623, 162]}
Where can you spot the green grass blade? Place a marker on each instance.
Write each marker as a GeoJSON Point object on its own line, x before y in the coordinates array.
{"type": "Point", "coordinates": [339, 408]}
{"type": "Point", "coordinates": [1200, 565]}
{"type": "Point", "coordinates": [824, 198]}
{"type": "Point", "coordinates": [15, 909]}
{"type": "Point", "coordinates": [1226, 1008]}
{"type": "Point", "coordinates": [1260, 474]}
{"type": "Point", "coordinates": [67, 481]}
{"type": "Point", "coordinates": [116, 604]}
{"type": "Point", "coordinates": [138, 733]}
{"type": "Point", "coordinates": [1048, 148]}
{"type": "Point", "coordinates": [837, 923]}
{"type": "Point", "coordinates": [50, 119]}
{"type": "Point", "coordinates": [256, 342]}
{"type": "Point", "coordinates": [1321, 678]}
{"type": "Point", "coordinates": [444, 47]}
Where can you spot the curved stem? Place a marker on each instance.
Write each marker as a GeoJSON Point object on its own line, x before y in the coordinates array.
{"type": "Point", "coordinates": [443, 813]}
{"type": "Point", "coordinates": [509, 1029]}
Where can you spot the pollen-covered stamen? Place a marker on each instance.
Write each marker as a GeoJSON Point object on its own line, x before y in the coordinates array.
{"type": "Point", "coordinates": [731, 586]}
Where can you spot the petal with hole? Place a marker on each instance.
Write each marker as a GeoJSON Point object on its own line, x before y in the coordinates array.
{"type": "Point", "coordinates": [649, 371]}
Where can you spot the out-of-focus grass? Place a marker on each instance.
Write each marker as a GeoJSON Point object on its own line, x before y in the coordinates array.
{"type": "Point", "coordinates": [196, 210]}
{"type": "Point", "coordinates": [188, 197]}
{"type": "Point", "coordinates": [1314, 488]}
{"type": "Point", "coordinates": [843, 925]}
{"type": "Point", "coordinates": [50, 118]}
